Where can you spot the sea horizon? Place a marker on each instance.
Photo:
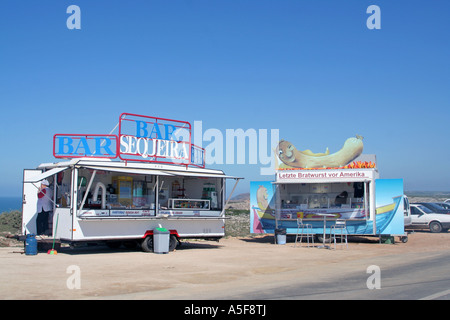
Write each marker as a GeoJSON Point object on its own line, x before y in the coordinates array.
{"type": "Point", "coordinates": [8, 204]}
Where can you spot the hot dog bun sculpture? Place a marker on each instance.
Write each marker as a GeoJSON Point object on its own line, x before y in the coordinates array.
{"type": "Point", "coordinates": [292, 157]}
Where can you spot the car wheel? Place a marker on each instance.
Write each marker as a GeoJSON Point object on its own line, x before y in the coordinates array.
{"type": "Point", "coordinates": [435, 227]}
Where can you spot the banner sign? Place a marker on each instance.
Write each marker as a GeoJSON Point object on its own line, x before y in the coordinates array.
{"type": "Point", "coordinates": [151, 139]}
{"type": "Point", "coordinates": [302, 176]}
{"type": "Point", "coordinates": [141, 138]}
{"type": "Point", "coordinates": [84, 145]}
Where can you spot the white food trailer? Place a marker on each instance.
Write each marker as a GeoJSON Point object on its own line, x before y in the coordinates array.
{"type": "Point", "coordinates": [98, 199]}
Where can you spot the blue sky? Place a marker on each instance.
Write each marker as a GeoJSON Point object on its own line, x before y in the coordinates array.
{"type": "Point", "coordinates": [311, 69]}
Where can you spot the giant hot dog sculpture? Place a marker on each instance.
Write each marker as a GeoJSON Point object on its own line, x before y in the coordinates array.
{"type": "Point", "coordinates": [292, 157]}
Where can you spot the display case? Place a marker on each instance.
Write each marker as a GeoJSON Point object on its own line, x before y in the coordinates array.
{"type": "Point", "coordinates": [319, 201]}
{"type": "Point", "coordinates": [196, 204]}
{"type": "Point", "coordinates": [209, 193]}
{"type": "Point", "coordinates": [124, 190]}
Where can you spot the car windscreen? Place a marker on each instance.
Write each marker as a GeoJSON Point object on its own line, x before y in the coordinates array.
{"type": "Point", "coordinates": [425, 209]}
{"type": "Point", "coordinates": [435, 206]}
{"type": "Point", "coordinates": [444, 205]}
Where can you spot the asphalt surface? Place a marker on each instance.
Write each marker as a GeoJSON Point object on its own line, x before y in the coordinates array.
{"type": "Point", "coordinates": [250, 269]}
{"type": "Point", "coordinates": [417, 280]}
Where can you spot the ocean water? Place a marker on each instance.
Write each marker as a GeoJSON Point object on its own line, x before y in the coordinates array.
{"type": "Point", "coordinates": [10, 203]}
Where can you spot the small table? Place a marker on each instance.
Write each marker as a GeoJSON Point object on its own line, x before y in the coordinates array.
{"type": "Point", "coordinates": [324, 215]}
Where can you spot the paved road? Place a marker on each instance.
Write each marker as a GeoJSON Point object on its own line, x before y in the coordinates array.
{"type": "Point", "coordinates": [427, 280]}
{"type": "Point", "coordinates": [238, 269]}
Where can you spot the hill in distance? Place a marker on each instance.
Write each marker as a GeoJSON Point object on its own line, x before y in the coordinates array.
{"type": "Point", "coordinates": [241, 197]}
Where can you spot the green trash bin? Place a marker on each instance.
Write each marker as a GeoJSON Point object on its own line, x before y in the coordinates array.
{"type": "Point", "coordinates": [161, 239]}
{"type": "Point", "coordinates": [387, 239]}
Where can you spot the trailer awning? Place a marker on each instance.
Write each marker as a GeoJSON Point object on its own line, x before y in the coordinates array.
{"type": "Point", "coordinates": [129, 170]}
{"type": "Point", "coordinates": [158, 172]}
{"type": "Point", "coordinates": [199, 174]}
{"type": "Point", "coordinates": [135, 168]}
{"type": "Point", "coordinates": [45, 175]}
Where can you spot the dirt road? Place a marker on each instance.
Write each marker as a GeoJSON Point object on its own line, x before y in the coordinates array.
{"type": "Point", "coordinates": [197, 269]}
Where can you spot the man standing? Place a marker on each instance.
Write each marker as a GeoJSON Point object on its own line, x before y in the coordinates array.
{"type": "Point", "coordinates": [44, 207]}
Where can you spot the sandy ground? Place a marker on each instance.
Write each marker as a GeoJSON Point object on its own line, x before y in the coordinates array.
{"type": "Point", "coordinates": [197, 269]}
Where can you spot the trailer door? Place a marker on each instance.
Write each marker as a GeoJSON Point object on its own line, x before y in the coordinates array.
{"type": "Point", "coordinates": [29, 201]}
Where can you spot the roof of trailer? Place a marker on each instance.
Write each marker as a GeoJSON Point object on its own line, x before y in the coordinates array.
{"type": "Point", "coordinates": [136, 168]}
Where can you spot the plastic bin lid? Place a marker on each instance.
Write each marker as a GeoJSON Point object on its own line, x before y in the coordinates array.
{"type": "Point", "coordinates": [161, 230]}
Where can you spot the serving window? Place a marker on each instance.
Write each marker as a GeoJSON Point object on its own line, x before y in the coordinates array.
{"type": "Point", "coordinates": [107, 193]}
{"type": "Point", "coordinates": [186, 193]}
{"type": "Point", "coordinates": [345, 199]}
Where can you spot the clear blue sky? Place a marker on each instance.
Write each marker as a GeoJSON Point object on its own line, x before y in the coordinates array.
{"type": "Point", "coordinates": [311, 69]}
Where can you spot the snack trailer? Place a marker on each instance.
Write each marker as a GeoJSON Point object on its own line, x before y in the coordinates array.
{"type": "Point", "coordinates": [100, 199]}
{"type": "Point", "coordinates": [324, 192]}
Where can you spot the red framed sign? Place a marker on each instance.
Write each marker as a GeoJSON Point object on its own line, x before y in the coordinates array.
{"type": "Point", "coordinates": [85, 145]}
{"type": "Point", "coordinates": [197, 156]}
{"type": "Point", "coordinates": [151, 139]}
{"type": "Point", "coordinates": [141, 138]}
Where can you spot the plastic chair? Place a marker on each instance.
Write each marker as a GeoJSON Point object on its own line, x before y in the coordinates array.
{"type": "Point", "coordinates": [306, 231]}
{"type": "Point", "coordinates": [340, 227]}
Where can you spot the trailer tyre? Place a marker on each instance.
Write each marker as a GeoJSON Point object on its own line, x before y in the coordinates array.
{"type": "Point", "coordinates": [147, 244]}
{"type": "Point", "coordinates": [173, 242]}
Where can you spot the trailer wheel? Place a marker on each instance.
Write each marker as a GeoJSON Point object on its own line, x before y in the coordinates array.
{"type": "Point", "coordinates": [173, 242]}
{"type": "Point", "coordinates": [404, 239]}
{"type": "Point", "coordinates": [147, 244]}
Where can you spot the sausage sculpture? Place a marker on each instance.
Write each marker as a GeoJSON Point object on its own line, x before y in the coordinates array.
{"type": "Point", "coordinates": [292, 157]}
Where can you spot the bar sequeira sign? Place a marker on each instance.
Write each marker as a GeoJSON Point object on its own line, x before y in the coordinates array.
{"type": "Point", "coordinates": [84, 145]}
{"type": "Point", "coordinates": [144, 138]}
{"type": "Point", "coordinates": [141, 138]}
